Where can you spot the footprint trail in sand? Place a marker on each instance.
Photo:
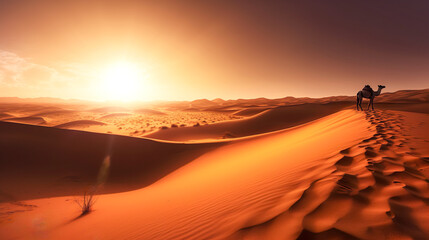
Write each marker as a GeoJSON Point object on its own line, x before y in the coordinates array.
{"type": "Point", "coordinates": [379, 190]}
{"type": "Point", "coordinates": [383, 191]}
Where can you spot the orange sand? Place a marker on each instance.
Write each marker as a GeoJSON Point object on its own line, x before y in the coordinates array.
{"type": "Point", "coordinates": [220, 194]}
{"type": "Point", "coordinates": [341, 174]}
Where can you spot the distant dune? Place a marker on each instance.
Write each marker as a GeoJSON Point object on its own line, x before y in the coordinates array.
{"type": "Point", "coordinates": [149, 111]}
{"type": "Point", "coordinates": [109, 109]}
{"type": "Point", "coordinates": [79, 124]}
{"type": "Point", "coordinates": [203, 103]}
{"type": "Point", "coordinates": [250, 111]}
{"type": "Point", "coordinates": [29, 120]}
{"type": "Point", "coordinates": [113, 115]}
{"type": "Point", "coordinates": [28, 108]}
{"type": "Point", "coordinates": [219, 109]}
{"type": "Point", "coordinates": [218, 100]}
{"type": "Point", "coordinates": [5, 115]}
{"type": "Point", "coordinates": [271, 120]}
{"type": "Point", "coordinates": [55, 112]}
{"type": "Point", "coordinates": [405, 96]}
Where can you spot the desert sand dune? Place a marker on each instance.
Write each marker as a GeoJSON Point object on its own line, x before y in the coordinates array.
{"type": "Point", "coordinates": [29, 120]}
{"type": "Point", "coordinates": [80, 124]}
{"type": "Point", "coordinates": [61, 112]}
{"type": "Point", "coordinates": [405, 96]}
{"type": "Point", "coordinates": [380, 194]}
{"type": "Point", "coordinates": [271, 120]}
{"type": "Point", "coordinates": [5, 115]}
{"type": "Point", "coordinates": [109, 109]}
{"type": "Point", "coordinates": [415, 129]}
{"type": "Point", "coordinates": [128, 123]}
{"type": "Point", "coordinates": [150, 118]}
{"type": "Point", "coordinates": [240, 186]}
{"type": "Point", "coordinates": [28, 109]}
{"type": "Point", "coordinates": [202, 103]}
{"type": "Point", "coordinates": [44, 162]}
{"type": "Point", "coordinates": [220, 109]}
{"type": "Point", "coordinates": [114, 115]}
{"type": "Point", "coordinates": [149, 111]}
{"type": "Point", "coordinates": [247, 112]}
{"type": "Point", "coordinates": [349, 175]}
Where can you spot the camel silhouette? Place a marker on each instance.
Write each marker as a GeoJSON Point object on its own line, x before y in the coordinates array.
{"type": "Point", "coordinates": [367, 92]}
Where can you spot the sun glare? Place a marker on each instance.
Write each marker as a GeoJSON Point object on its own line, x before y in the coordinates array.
{"type": "Point", "coordinates": [121, 81]}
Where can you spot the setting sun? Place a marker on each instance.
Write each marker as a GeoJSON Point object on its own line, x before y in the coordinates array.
{"type": "Point", "coordinates": [121, 81]}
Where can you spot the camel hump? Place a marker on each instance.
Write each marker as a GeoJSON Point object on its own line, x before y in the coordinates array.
{"type": "Point", "coordinates": [368, 88]}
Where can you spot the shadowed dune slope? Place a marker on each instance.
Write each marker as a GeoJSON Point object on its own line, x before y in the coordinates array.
{"type": "Point", "coordinates": [38, 162]}
{"type": "Point", "coordinates": [271, 120]}
{"type": "Point", "coordinates": [247, 112]}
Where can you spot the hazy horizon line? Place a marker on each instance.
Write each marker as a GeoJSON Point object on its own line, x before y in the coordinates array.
{"type": "Point", "coordinates": [163, 100]}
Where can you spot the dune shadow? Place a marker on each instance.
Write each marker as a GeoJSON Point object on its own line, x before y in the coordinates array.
{"type": "Point", "coordinates": [38, 159]}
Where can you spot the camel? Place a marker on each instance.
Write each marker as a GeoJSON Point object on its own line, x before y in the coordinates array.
{"type": "Point", "coordinates": [367, 92]}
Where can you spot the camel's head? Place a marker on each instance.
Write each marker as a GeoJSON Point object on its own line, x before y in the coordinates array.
{"type": "Point", "coordinates": [381, 86]}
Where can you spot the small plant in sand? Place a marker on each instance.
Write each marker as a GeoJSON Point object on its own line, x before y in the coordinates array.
{"type": "Point", "coordinates": [87, 202]}
{"type": "Point", "coordinates": [88, 199]}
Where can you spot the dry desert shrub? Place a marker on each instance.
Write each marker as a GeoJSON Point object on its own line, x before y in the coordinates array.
{"type": "Point", "coordinates": [88, 200]}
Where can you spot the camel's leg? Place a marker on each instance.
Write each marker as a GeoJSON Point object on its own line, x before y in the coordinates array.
{"type": "Point", "coordinates": [360, 103]}
{"type": "Point", "coordinates": [359, 98]}
{"type": "Point", "coordinates": [369, 104]}
{"type": "Point", "coordinates": [357, 103]}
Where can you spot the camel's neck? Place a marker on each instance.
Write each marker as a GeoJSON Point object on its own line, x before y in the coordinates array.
{"type": "Point", "coordinates": [378, 92]}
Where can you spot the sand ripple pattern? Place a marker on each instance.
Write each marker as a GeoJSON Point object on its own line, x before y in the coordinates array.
{"type": "Point", "coordinates": [379, 190]}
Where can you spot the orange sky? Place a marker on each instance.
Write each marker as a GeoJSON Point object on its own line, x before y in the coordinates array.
{"type": "Point", "coordinates": [207, 49]}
